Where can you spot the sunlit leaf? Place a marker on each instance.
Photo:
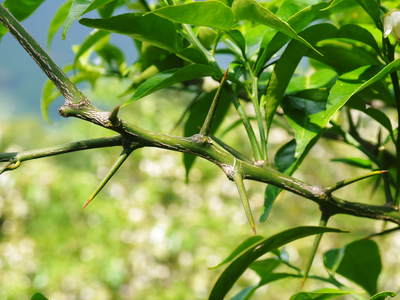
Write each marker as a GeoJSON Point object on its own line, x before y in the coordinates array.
{"type": "Point", "coordinates": [355, 161]}
{"type": "Point", "coordinates": [382, 296]}
{"type": "Point", "coordinates": [58, 20]}
{"type": "Point", "coordinates": [214, 14]}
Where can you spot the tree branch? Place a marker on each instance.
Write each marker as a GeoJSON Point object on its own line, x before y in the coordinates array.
{"type": "Point", "coordinates": [77, 105]}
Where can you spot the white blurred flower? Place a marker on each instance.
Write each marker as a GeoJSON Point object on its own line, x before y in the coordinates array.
{"type": "Point", "coordinates": [391, 24]}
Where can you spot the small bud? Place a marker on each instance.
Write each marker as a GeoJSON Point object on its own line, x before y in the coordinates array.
{"type": "Point", "coordinates": [391, 24]}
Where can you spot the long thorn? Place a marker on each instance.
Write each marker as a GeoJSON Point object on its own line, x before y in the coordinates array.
{"type": "Point", "coordinates": [121, 159]}
{"type": "Point", "coordinates": [238, 179]}
{"type": "Point", "coordinates": [343, 183]}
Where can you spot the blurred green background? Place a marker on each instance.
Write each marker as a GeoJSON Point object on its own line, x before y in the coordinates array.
{"type": "Point", "coordinates": [148, 234]}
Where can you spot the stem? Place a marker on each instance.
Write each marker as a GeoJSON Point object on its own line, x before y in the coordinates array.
{"type": "Point", "coordinates": [396, 88]}
{"type": "Point", "coordinates": [238, 179]}
{"type": "Point", "coordinates": [145, 5]}
{"type": "Point", "coordinates": [382, 233]}
{"type": "Point", "coordinates": [256, 104]}
{"type": "Point", "coordinates": [323, 222]}
{"type": "Point", "coordinates": [60, 149]}
{"type": "Point", "coordinates": [250, 133]}
{"type": "Point", "coordinates": [70, 92]}
{"type": "Point", "coordinates": [124, 155]}
{"type": "Point", "coordinates": [195, 42]}
{"type": "Point", "coordinates": [346, 182]}
{"type": "Point", "coordinates": [206, 128]}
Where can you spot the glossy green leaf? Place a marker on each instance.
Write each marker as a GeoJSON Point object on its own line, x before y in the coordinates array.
{"type": "Point", "coordinates": [58, 20]}
{"type": "Point", "coordinates": [239, 249]}
{"type": "Point", "coordinates": [298, 21]}
{"type": "Point", "coordinates": [38, 296]}
{"type": "Point", "coordinates": [21, 9]}
{"type": "Point", "coordinates": [232, 273]}
{"type": "Point", "coordinates": [361, 263]}
{"type": "Point", "coordinates": [149, 28]}
{"type": "Point", "coordinates": [358, 33]}
{"type": "Point", "coordinates": [316, 95]}
{"type": "Point", "coordinates": [322, 294]}
{"type": "Point", "coordinates": [373, 10]}
{"type": "Point", "coordinates": [94, 37]}
{"type": "Point", "coordinates": [197, 115]}
{"type": "Point", "coordinates": [323, 77]}
{"type": "Point", "coordinates": [238, 39]}
{"type": "Point", "coordinates": [382, 296]}
{"type": "Point", "coordinates": [253, 11]}
{"type": "Point", "coordinates": [355, 161]}
{"type": "Point", "coordinates": [214, 14]}
{"type": "Point", "coordinates": [95, 4]}
{"type": "Point", "coordinates": [167, 78]}
{"type": "Point", "coordinates": [285, 67]}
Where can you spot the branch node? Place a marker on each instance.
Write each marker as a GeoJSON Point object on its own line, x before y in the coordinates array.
{"type": "Point", "coordinates": [113, 118]}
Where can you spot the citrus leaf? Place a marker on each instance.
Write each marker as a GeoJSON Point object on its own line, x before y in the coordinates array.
{"type": "Point", "coordinates": [148, 28]}
{"type": "Point", "coordinates": [232, 273]}
{"type": "Point", "coordinates": [214, 14]}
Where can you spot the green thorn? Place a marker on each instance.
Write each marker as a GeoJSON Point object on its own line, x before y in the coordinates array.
{"type": "Point", "coordinates": [343, 183]}
{"type": "Point", "coordinates": [238, 179]}
{"type": "Point", "coordinates": [121, 159]}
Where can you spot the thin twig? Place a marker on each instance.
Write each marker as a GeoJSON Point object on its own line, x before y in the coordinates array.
{"type": "Point", "coordinates": [387, 231]}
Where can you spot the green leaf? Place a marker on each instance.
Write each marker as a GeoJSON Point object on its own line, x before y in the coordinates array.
{"type": "Point", "coordinates": [38, 296]}
{"type": "Point", "coordinates": [77, 8]}
{"type": "Point", "coordinates": [251, 10]}
{"type": "Point", "coordinates": [214, 14]}
{"type": "Point", "coordinates": [382, 295]}
{"type": "Point", "coordinates": [232, 273]}
{"type": "Point", "coordinates": [170, 77]}
{"type": "Point", "coordinates": [149, 28]}
{"type": "Point", "coordinates": [198, 113]}
{"type": "Point", "coordinates": [322, 294]}
{"type": "Point", "coordinates": [94, 37]}
{"type": "Point", "coordinates": [298, 21]}
{"type": "Point", "coordinates": [355, 161]}
{"type": "Point", "coordinates": [96, 4]}
{"type": "Point", "coordinates": [358, 33]}
{"type": "Point", "coordinates": [361, 263]}
{"type": "Point", "coordinates": [58, 20]}
{"type": "Point", "coordinates": [245, 294]}
{"type": "Point", "coordinates": [373, 10]}
{"type": "Point", "coordinates": [21, 9]}
{"type": "Point", "coordinates": [239, 249]}
{"type": "Point", "coordinates": [380, 117]}
{"type": "Point", "coordinates": [265, 267]}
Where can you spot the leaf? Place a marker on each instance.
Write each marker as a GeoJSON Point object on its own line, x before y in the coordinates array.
{"type": "Point", "coordinates": [96, 4]}
{"type": "Point", "coordinates": [170, 77]}
{"type": "Point", "coordinates": [21, 9]}
{"type": "Point", "coordinates": [355, 161]}
{"type": "Point", "coordinates": [265, 267]}
{"type": "Point", "coordinates": [38, 296]}
{"type": "Point", "coordinates": [382, 295]}
{"type": "Point", "coordinates": [239, 249]}
{"type": "Point", "coordinates": [58, 20]}
{"type": "Point", "coordinates": [148, 28]}
{"type": "Point", "coordinates": [232, 273]}
{"type": "Point", "coordinates": [77, 8]}
{"type": "Point", "coordinates": [198, 113]}
{"type": "Point", "coordinates": [380, 117]}
{"type": "Point", "coordinates": [89, 41]}
{"type": "Point", "coordinates": [321, 294]}
{"type": "Point", "coordinates": [285, 67]}
{"type": "Point", "coordinates": [214, 14]}
{"type": "Point", "coordinates": [358, 33]}
{"type": "Point", "coordinates": [373, 10]}
{"type": "Point", "coordinates": [361, 263]}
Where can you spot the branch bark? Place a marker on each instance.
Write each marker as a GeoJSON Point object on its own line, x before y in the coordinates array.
{"type": "Point", "coordinates": [78, 106]}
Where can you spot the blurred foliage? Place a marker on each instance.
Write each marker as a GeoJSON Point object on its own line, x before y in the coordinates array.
{"type": "Point", "coordinates": [148, 235]}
